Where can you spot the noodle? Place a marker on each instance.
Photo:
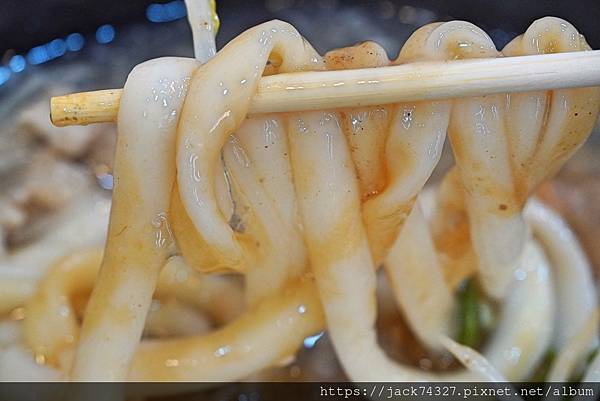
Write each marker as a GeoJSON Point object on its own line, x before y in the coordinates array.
{"type": "Point", "coordinates": [272, 246]}
{"type": "Point", "coordinates": [425, 299]}
{"type": "Point", "coordinates": [576, 296]}
{"type": "Point", "coordinates": [139, 237]}
{"type": "Point", "coordinates": [204, 128]}
{"type": "Point", "coordinates": [77, 228]}
{"type": "Point", "coordinates": [305, 207]}
{"type": "Point", "coordinates": [51, 329]}
{"type": "Point", "coordinates": [267, 334]}
{"type": "Point", "coordinates": [505, 146]}
{"type": "Point", "coordinates": [566, 362]}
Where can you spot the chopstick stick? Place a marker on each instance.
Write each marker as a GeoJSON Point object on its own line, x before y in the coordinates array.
{"type": "Point", "coordinates": [375, 86]}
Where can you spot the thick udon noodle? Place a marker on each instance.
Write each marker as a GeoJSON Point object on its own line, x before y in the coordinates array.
{"type": "Point", "coordinates": [306, 206]}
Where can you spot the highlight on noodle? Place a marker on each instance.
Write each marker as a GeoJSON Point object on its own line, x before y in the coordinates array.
{"type": "Point", "coordinates": [277, 227]}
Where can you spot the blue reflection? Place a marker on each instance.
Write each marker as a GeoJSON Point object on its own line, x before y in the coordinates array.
{"type": "Point", "coordinates": [47, 52]}
{"type": "Point", "coordinates": [171, 11]}
{"type": "Point", "coordinates": [4, 74]}
{"type": "Point", "coordinates": [56, 48]}
{"type": "Point", "coordinates": [38, 55]}
{"type": "Point", "coordinates": [105, 34]}
{"type": "Point", "coordinates": [310, 342]}
{"type": "Point", "coordinates": [106, 181]}
{"type": "Point", "coordinates": [51, 50]}
{"type": "Point", "coordinates": [75, 42]}
{"type": "Point", "coordinates": [17, 63]}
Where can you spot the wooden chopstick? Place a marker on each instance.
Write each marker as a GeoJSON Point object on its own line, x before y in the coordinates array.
{"type": "Point", "coordinates": [373, 86]}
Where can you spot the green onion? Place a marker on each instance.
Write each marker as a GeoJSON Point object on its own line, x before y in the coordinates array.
{"type": "Point", "coordinates": [470, 333]}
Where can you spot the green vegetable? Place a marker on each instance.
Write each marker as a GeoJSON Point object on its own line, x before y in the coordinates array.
{"type": "Point", "coordinates": [471, 333]}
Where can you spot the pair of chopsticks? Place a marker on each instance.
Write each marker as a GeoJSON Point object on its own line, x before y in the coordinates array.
{"type": "Point", "coordinates": [376, 86]}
